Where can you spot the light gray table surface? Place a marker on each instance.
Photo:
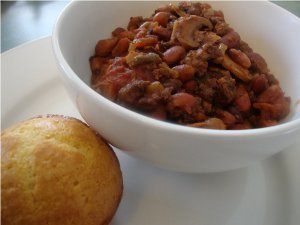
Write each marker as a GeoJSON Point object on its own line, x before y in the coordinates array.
{"type": "Point", "coordinates": [24, 21]}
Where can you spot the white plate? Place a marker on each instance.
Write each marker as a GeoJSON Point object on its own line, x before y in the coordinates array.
{"type": "Point", "coordinates": [267, 193]}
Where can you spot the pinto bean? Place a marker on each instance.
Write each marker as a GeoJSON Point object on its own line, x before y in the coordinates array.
{"type": "Point", "coordinates": [159, 113]}
{"type": "Point", "coordinates": [241, 126]}
{"type": "Point", "coordinates": [262, 122]}
{"type": "Point", "coordinates": [135, 22]}
{"type": "Point", "coordinates": [96, 64]}
{"type": "Point", "coordinates": [104, 47]}
{"type": "Point", "coordinates": [258, 63]}
{"type": "Point", "coordinates": [184, 101]}
{"type": "Point", "coordinates": [200, 117]}
{"type": "Point", "coordinates": [259, 83]}
{"type": "Point", "coordinates": [207, 106]}
{"type": "Point", "coordinates": [121, 47]}
{"type": "Point", "coordinates": [271, 94]}
{"type": "Point", "coordinates": [164, 8]}
{"type": "Point", "coordinates": [126, 34]}
{"type": "Point", "coordinates": [243, 103]}
{"type": "Point", "coordinates": [185, 71]}
{"type": "Point", "coordinates": [174, 54]}
{"type": "Point", "coordinates": [228, 118]}
{"type": "Point", "coordinates": [282, 107]}
{"type": "Point", "coordinates": [116, 32]}
{"type": "Point", "coordinates": [140, 33]}
{"type": "Point", "coordinates": [272, 103]}
{"type": "Point", "coordinates": [275, 111]}
{"type": "Point", "coordinates": [162, 32]}
{"type": "Point", "coordinates": [239, 57]}
{"type": "Point", "coordinates": [146, 41]}
{"type": "Point", "coordinates": [242, 100]}
{"type": "Point", "coordinates": [162, 18]}
{"type": "Point", "coordinates": [190, 86]}
{"type": "Point", "coordinates": [173, 85]}
{"type": "Point", "coordinates": [231, 39]}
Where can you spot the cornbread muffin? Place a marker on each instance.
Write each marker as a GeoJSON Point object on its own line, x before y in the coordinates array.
{"type": "Point", "coordinates": [58, 171]}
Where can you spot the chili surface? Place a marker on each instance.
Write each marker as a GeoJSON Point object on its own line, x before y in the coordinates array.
{"type": "Point", "coordinates": [185, 64]}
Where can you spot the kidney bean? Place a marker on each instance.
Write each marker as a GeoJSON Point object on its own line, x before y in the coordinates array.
{"type": "Point", "coordinates": [162, 18]}
{"type": "Point", "coordinates": [104, 47]}
{"type": "Point", "coordinates": [185, 71]}
{"type": "Point", "coordinates": [239, 57]}
{"type": "Point", "coordinates": [174, 54]}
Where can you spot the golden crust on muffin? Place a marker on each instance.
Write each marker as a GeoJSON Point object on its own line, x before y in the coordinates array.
{"type": "Point", "coordinates": [57, 170]}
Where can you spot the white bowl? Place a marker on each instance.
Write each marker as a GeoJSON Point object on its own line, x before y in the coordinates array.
{"type": "Point", "coordinates": [269, 30]}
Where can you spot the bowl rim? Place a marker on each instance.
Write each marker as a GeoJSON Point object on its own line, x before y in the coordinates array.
{"type": "Point", "coordinates": [67, 71]}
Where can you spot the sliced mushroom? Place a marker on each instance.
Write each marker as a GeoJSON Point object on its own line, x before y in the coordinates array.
{"type": "Point", "coordinates": [239, 71]}
{"type": "Point", "coordinates": [177, 10]}
{"type": "Point", "coordinates": [185, 27]}
{"type": "Point", "coordinates": [211, 123]}
{"type": "Point", "coordinates": [134, 58]}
